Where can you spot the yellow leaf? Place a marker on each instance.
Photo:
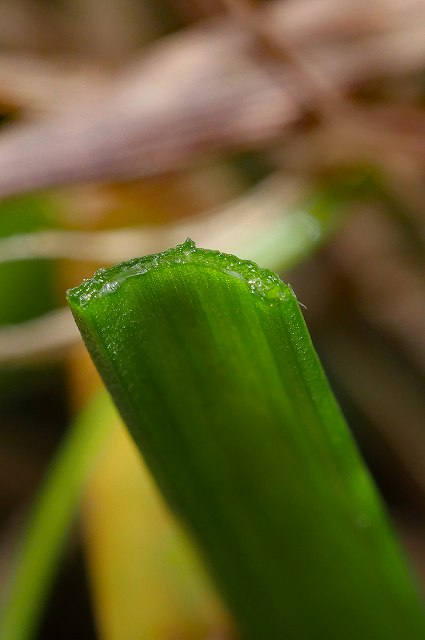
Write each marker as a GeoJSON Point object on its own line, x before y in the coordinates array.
{"type": "Point", "coordinates": [146, 579]}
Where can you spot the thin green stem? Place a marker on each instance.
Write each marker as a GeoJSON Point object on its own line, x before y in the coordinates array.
{"type": "Point", "coordinates": [53, 513]}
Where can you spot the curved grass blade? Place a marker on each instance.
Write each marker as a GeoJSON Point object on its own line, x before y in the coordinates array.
{"type": "Point", "coordinates": [45, 536]}
{"type": "Point", "coordinates": [211, 365]}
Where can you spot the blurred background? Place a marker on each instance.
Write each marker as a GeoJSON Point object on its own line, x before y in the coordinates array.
{"type": "Point", "coordinates": [289, 132]}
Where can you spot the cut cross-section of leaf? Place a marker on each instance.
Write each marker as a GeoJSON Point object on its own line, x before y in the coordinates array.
{"type": "Point", "coordinates": [211, 365]}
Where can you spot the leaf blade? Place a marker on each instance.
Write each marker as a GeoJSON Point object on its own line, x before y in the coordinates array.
{"type": "Point", "coordinates": [211, 365]}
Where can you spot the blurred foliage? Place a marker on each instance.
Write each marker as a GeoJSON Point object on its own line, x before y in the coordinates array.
{"type": "Point", "coordinates": [352, 76]}
{"type": "Point", "coordinates": [27, 289]}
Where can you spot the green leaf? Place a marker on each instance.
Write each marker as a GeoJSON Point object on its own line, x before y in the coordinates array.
{"type": "Point", "coordinates": [211, 365]}
{"type": "Point", "coordinates": [44, 538]}
{"type": "Point", "coordinates": [34, 279]}
{"type": "Point", "coordinates": [27, 289]}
